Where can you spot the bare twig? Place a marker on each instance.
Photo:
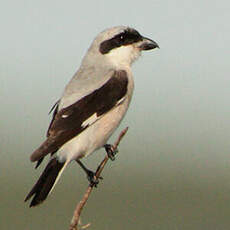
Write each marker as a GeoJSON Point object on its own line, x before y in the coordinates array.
{"type": "Point", "coordinates": [77, 212]}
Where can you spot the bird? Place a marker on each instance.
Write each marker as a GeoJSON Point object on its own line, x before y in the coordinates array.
{"type": "Point", "coordinates": [91, 107]}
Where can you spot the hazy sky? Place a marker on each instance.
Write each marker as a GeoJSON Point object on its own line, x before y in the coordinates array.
{"type": "Point", "coordinates": [180, 113]}
{"type": "Point", "coordinates": [181, 91]}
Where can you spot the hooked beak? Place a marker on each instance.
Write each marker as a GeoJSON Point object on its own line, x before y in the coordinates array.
{"type": "Point", "coordinates": [148, 44]}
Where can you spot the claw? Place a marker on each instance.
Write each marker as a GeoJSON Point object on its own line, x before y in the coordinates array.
{"type": "Point", "coordinates": [91, 176]}
{"type": "Point", "coordinates": [110, 151]}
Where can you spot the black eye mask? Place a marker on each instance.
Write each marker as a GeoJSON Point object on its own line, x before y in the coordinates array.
{"type": "Point", "coordinates": [126, 37]}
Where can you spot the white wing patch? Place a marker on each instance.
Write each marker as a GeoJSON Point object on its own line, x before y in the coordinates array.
{"type": "Point", "coordinates": [64, 116]}
{"type": "Point", "coordinates": [94, 117]}
{"type": "Point", "coordinates": [120, 101]}
{"type": "Point", "coordinates": [90, 120]}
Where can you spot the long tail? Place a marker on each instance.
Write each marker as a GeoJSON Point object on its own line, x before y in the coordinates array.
{"type": "Point", "coordinates": [46, 182]}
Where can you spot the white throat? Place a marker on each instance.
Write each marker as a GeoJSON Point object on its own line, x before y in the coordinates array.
{"type": "Point", "coordinates": [123, 56]}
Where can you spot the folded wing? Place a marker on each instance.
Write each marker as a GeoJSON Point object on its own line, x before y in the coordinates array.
{"type": "Point", "coordinates": [72, 120]}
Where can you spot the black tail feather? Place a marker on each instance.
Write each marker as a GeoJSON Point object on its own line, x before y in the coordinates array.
{"type": "Point", "coordinates": [41, 159]}
{"type": "Point", "coordinates": [39, 162]}
{"type": "Point", "coordinates": [45, 183]}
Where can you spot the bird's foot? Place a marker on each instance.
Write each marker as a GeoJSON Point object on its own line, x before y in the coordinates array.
{"type": "Point", "coordinates": [110, 151]}
{"type": "Point", "coordinates": [93, 180]}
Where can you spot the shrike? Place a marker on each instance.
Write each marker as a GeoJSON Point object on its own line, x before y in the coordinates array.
{"type": "Point", "coordinates": [91, 107]}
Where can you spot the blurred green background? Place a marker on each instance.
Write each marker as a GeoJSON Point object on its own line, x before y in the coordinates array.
{"type": "Point", "coordinates": [174, 164]}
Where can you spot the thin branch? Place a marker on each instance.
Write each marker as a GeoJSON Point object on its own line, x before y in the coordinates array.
{"type": "Point", "coordinates": [77, 212]}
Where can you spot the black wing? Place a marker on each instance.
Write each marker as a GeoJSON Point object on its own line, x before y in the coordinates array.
{"type": "Point", "coordinates": [54, 109]}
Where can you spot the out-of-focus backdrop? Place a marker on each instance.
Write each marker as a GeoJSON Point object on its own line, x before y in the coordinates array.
{"type": "Point", "coordinates": [173, 170]}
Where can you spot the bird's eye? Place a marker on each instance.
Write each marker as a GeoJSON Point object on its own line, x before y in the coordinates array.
{"type": "Point", "coordinates": [122, 37]}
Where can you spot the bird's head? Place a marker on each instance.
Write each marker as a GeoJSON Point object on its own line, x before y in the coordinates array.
{"type": "Point", "coordinates": [120, 45]}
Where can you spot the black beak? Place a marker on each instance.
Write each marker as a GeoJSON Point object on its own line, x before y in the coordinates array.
{"type": "Point", "coordinates": [148, 44]}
